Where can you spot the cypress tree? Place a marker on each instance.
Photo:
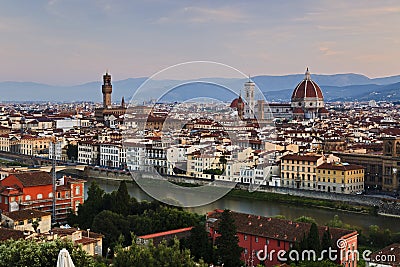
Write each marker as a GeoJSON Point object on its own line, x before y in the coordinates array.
{"type": "Point", "coordinates": [228, 250]}
{"type": "Point", "coordinates": [326, 242]}
{"type": "Point", "coordinates": [313, 241]}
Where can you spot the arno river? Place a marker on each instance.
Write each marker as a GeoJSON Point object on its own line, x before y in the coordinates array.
{"type": "Point", "coordinates": [266, 208]}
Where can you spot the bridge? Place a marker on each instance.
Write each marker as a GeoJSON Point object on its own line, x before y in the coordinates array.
{"type": "Point", "coordinates": [48, 168]}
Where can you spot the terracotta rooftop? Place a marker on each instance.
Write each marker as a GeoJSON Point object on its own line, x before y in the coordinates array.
{"type": "Point", "coordinates": [20, 215]}
{"type": "Point", "coordinates": [301, 157]}
{"type": "Point", "coordinates": [339, 167]}
{"type": "Point", "coordinates": [6, 234]}
{"type": "Point", "coordinates": [34, 178]}
{"type": "Point", "coordinates": [391, 250]}
{"type": "Point", "coordinates": [275, 228]}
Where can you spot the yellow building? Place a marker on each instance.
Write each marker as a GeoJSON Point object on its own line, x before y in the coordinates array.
{"type": "Point", "coordinates": [34, 146]}
{"type": "Point", "coordinates": [91, 242]}
{"type": "Point", "coordinates": [340, 178]}
{"type": "Point", "coordinates": [24, 220]}
{"type": "Point", "coordinates": [299, 171]}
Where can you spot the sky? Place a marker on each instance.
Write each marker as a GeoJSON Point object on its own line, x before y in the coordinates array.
{"type": "Point", "coordinates": [67, 42]}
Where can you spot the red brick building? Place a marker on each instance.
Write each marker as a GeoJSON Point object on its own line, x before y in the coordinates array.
{"type": "Point", "coordinates": [34, 190]}
{"type": "Point", "coordinates": [258, 233]}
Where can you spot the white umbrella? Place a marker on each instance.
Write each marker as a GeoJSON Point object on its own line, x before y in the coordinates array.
{"type": "Point", "coordinates": [64, 259]}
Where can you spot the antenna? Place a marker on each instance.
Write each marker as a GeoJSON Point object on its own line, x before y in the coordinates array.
{"type": "Point", "coordinates": [53, 174]}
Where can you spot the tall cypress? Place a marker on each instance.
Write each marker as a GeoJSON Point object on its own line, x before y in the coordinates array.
{"type": "Point", "coordinates": [326, 242]}
{"type": "Point", "coordinates": [228, 250]}
{"type": "Point", "coordinates": [313, 241]}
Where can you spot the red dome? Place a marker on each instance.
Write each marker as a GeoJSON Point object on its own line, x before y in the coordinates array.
{"type": "Point", "coordinates": [307, 89]}
{"type": "Point", "coordinates": [236, 102]}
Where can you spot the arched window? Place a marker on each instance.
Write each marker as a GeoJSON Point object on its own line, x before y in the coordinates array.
{"type": "Point", "coordinates": [39, 196]}
{"type": "Point", "coordinates": [27, 197]}
{"type": "Point", "coordinates": [50, 194]}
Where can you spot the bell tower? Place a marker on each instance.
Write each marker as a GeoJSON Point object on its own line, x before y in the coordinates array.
{"type": "Point", "coordinates": [106, 89]}
{"type": "Point", "coordinates": [249, 97]}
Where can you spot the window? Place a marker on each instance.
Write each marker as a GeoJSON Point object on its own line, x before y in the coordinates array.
{"type": "Point", "coordinates": [50, 195]}
{"type": "Point", "coordinates": [77, 190]}
{"type": "Point", "coordinates": [27, 197]}
{"type": "Point", "coordinates": [39, 196]}
{"type": "Point", "coordinates": [245, 237]}
{"type": "Point", "coordinates": [256, 239]}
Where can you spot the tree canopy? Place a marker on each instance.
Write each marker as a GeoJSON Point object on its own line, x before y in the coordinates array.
{"type": "Point", "coordinates": [150, 255]}
{"type": "Point", "coordinates": [41, 254]}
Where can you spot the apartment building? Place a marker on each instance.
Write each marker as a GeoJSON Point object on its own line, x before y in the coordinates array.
{"type": "Point", "coordinates": [340, 178]}
{"type": "Point", "coordinates": [299, 170]}
{"type": "Point", "coordinates": [34, 190]}
{"type": "Point", "coordinates": [112, 155]}
{"type": "Point", "coordinates": [89, 152]}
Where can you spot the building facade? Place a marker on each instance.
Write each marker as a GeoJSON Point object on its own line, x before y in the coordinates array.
{"type": "Point", "coordinates": [258, 233]}
{"type": "Point", "coordinates": [34, 190]}
{"type": "Point", "coordinates": [300, 171]}
{"type": "Point", "coordinates": [340, 178]}
{"type": "Point", "coordinates": [381, 170]}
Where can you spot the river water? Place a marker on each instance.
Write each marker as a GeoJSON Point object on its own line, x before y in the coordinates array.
{"type": "Point", "coordinates": [266, 208]}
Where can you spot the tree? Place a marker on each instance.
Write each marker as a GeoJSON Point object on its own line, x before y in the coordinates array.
{"type": "Point", "coordinates": [379, 238]}
{"type": "Point", "coordinates": [122, 200]}
{"type": "Point", "coordinates": [90, 208]}
{"type": "Point", "coordinates": [326, 242]}
{"type": "Point", "coordinates": [35, 225]}
{"type": "Point", "coordinates": [313, 241]}
{"type": "Point", "coordinates": [40, 254]}
{"type": "Point", "coordinates": [337, 223]}
{"type": "Point", "coordinates": [223, 161]}
{"type": "Point", "coordinates": [112, 226]}
{"type": "Point", "coordinates": [149, 256]}
{"type": "Point", "coordinates": [305, 219]}
{"type": "Point", "coordinates": [200, 244]}
{"type": "Point", "coordinates": [72, 152]}
{"type": "Point", "coordinates": [228, 250]}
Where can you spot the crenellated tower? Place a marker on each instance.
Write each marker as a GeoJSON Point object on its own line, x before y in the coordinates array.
{"type": "Point", "coordinates": [107, 90]}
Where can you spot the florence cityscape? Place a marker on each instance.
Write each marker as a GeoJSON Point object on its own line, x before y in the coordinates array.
{"type": "Point", "coordinates": [148, 133]}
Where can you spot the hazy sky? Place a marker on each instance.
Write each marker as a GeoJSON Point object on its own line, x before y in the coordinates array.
{"type": "Point", "coordinates": [75, 41]}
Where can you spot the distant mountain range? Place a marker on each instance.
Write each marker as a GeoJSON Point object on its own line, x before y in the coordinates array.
{"type": "Point", "coordinates": [338, 87]}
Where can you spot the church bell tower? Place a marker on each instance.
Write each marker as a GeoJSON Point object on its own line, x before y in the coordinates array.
{"type": "Point", "coordinates": [107, 90]}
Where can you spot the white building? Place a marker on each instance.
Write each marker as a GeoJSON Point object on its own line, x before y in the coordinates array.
{"type": "Point", "coordinates": [66, 124]}
{"type": "Point", "coordinates": [5, 142]}
{"type": "Point", "coordinates": [58, 149]}
{"type": "Point", "coordinates": [112, 155]}
{"type": "Point", "coordinates": [88, 152]}
{"type": "Point", "coordinates": [135, 154]}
